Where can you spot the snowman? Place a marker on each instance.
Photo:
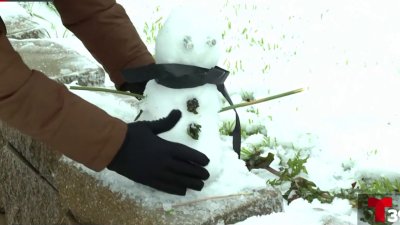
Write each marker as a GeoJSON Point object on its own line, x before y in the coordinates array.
{"type": "Point", "coordinates": [188, 44]}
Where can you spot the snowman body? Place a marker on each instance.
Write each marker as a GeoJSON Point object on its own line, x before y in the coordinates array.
{"type": "Point", "coordinates": [161, 100]}
{"type": "Point", "coordinates": [189, 37]}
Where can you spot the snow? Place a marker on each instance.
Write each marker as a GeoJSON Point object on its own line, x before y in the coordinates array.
{"type": "Point", "coordinates": [122, 108]}
{"type": "Point", "coordinates": [228, 174]}
{"type": "Point", "coordinates": [339, 212]}
{"type": "Point", "coordinates": [190, 36]}
{"type": "Point", "coordinates": [160, 100]}
{"type": "Point", "coordinates": [224, 167]}
{"type": "Point", "coordinates": [344, 53]}
{"type": "Point", "coordinates": [11, 11]}
{"type": "Point", "coordinates": [46, 17]}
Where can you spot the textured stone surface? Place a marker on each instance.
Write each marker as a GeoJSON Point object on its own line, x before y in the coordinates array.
{"type": "Point", "coordinates": [2, 219]}
{"type": "Point", "coordinates": [40, 188]}
{"type": "Point", "coordinates": [20, 24]}
{"type": "Point", "coordinates": [59, 62]}
{"type": "Point", "coordinates": [2, 143]}
{"type": "Point", "coordinates": [29, 199]}
{"type": "Point", "coordinates": [1, 198]}
{"type": "Point", "coordinates": [93, 203]}
{"type": "Point", "coordinates": [36, 153]}
{"type": "Point", "coordinates": [24, 28]}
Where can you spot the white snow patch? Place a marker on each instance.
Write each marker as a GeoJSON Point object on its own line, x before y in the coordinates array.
{"type": "Point", "coordinates": [114, 106]}
{"type": "Point", "coordinates": [346, 55]}
{"type": "Point", "coordinates": [302, 212]}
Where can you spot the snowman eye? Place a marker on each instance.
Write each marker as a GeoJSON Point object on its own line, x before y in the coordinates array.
{"type": "Point", "coordinates": [211, 42]}
{"type": "Point", "coordinates": [188, 43]}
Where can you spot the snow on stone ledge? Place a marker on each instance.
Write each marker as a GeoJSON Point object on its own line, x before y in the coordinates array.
{"type": "Point", "coordinates": [233, 180]}
{"type": "Point", "coordinates": [315, 213]}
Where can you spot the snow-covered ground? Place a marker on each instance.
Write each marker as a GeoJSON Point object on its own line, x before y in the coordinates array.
{"type": "Point", "coordinates": [346, 54]}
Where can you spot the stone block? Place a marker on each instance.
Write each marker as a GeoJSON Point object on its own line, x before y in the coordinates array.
{"type": "Point", "coordinates": [23, 28]}
{"type": "Point", "coordinates": [2, 143]}
{"type": "Point", "coordinates": [41, 187]}
{"type": "Point", "coordinates": [2, 219]}
{"type": "Point", "coordinates": [2, 139]}
{"type": "Point", "coordinates": [91, 202]}
{"type": "Point", "coordinates": [59, 62]}
{"type": "Point", "coordinates": [74, 195]}
{"type": "Point", "coordinates": [1, 198]}
{"type": "Point", "coordinates": [28, 198]}
{"type": "Point", "coordinates": [20, 24]}
{"type": "Point", "coordinates": [39, 156]}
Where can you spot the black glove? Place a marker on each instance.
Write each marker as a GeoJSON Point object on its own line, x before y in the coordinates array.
{"type": "Point", "coordinates": [148, 159]}
{"type": "Point", "coordinates": [136, 88]}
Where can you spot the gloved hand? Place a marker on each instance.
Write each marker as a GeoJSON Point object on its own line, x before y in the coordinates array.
{"type": "Point", "coordinates": [148, 159]}
{"type": "Point", "coordinates": [136, 88]}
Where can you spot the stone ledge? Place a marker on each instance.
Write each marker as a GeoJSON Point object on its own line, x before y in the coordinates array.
{"type": "Point", "coordinates": [56, 191]}
{"type": "Point", "coordinates": [2, 144]}
{"type": "Point", "coordinates": [93, 203]}
{"type": "Point", "coordinates": [1, 199]}
{"type": "Point", "coordinates": [2, 139]}
{"type": "Point", "coordinates": [2, 219]}
{"type": "Point", "coordinates": [37, 154]}
{"type": "Point", "coordinates": [59, 62]}
{"type": "Point", "coordinates": [20, 24]}
{"type": "Point", "coordinates": [25, 29]}
{"type": "Point", "coordinates": [74, 192]}
{"type": "Point", "coordinates": [22, 27]}
{"type": "Point", "coordinates": [28, 198]}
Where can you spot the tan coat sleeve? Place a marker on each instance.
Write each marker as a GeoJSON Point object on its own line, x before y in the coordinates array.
{"type": "Point", "coordinates": [47, 111]}
{"type": "Point", "coordinates": [105, 29]}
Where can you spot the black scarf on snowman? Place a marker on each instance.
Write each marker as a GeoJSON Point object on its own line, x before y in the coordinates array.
{"type": "Point", "coordinates": [186, 76]}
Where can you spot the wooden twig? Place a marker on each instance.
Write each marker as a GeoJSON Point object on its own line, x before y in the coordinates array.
{"type": "Point", "coordinates": [222, 110]}
{"type": "Point", "coordinates": [105, 90]}
{"type": "Point", "coordinates": [261, 100]}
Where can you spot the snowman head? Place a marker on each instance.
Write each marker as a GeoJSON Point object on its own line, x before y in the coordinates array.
{"type": "Point", "coordinates": [190, 36]}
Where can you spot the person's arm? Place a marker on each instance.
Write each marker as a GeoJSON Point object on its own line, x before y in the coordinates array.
{"type": "Point", "coordinates": [107, 32]}
{"type": "Point", "coordinates": [3, 30]}
{"type": "Point", "coordinates": [47, 111]}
